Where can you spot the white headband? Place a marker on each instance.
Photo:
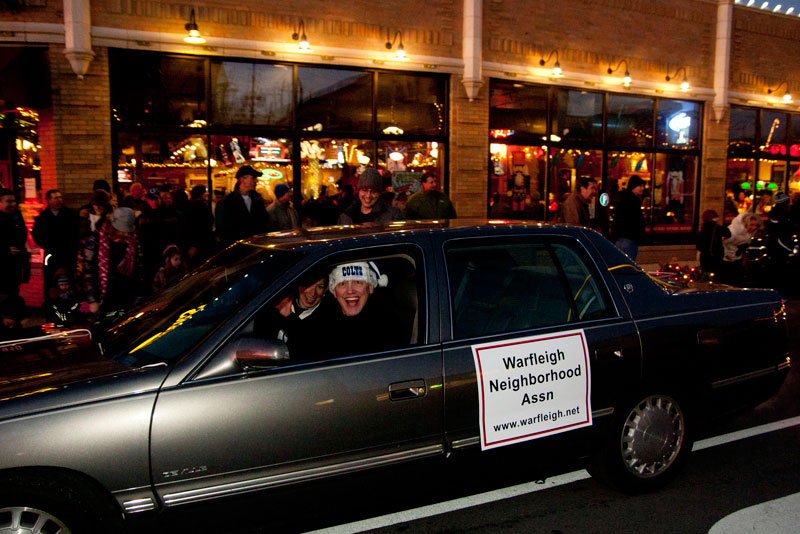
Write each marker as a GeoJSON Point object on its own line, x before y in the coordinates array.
{"type": "Point", "coordinates": [360, 270]}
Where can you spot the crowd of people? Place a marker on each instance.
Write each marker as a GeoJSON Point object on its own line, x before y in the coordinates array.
{"type": "Point", "coordinates": [116, 250]}
{"type": "Point", "coordinates": [721, 249]}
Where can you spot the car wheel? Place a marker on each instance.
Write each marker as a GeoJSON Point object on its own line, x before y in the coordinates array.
{"type": "Point", "coordinates": [49, 502]}
{"type": "Point", "coordinates": [649, 443]}
{"type": "Point", "coordinates": [25, 520]}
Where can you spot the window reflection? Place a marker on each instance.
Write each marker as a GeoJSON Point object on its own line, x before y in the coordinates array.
{"type": "Point", "coordinates": [630, 121]}
{"type": "Point", "coordinates": [517, 110]}
{"type": "Point", "coordinates": [251, 93]}
{"type": "Point", "coordinates": [577, 116]}
{"type": "Point", "coordinates": [334, 99]}
{"type": "Point", "coordinates": [409, 104]}
{"type": "Point", "coordinates": [742, 132]}
{"type": "Point", "coordinates": [151, 88]}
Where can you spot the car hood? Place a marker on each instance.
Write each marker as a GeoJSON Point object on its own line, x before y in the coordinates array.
{"type": "Point", "coordinates": [51, 361]}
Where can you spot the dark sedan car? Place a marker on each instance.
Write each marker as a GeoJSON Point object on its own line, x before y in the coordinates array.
{"type": "Point", "coordinates": [292, 357]}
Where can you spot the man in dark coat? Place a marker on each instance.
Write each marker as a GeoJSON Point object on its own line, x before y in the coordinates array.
{"type": "Point", "coordinates": [629, 225]}
{"type": "Point", "coordinates": [14, 256]}
{"type": "Point", "coordinates": [369, 208]}
{"type": "Point", "coordinates": [242, 213]}
{"type": "Point", "coordinates": [56, 231]}
{"type": "Point", "coordinates": [196, 223]}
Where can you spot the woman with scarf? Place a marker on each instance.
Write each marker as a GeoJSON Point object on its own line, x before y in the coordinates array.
{"type": "Point", "coordinates": [117, 285]}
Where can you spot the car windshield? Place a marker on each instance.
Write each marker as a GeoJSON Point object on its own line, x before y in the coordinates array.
{"type": "Point", "coordinates": [163, 329]}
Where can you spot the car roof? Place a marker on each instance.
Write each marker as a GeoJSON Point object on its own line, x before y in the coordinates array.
{"type": "Point", "coordinates": [306, 236]}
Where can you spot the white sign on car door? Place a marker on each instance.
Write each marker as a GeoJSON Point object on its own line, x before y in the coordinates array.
{"type": "Point", "coordinates": [532, 387]}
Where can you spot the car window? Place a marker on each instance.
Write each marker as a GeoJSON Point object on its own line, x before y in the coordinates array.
{"type": "Point", "coordinates": [167, 326]}
{"type": "Point", "coordinates": [379, 306]}
{"type": "Point", "coordinates": [507, 285]}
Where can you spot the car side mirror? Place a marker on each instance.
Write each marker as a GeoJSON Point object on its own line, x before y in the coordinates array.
{"type": "Point", "coordinates": [252, 352]}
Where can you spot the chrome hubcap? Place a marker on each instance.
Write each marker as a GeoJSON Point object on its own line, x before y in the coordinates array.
{"type": "Point", "coordinates": [652, 436]}
{"type": "Point", "coordinates": [24, 520]}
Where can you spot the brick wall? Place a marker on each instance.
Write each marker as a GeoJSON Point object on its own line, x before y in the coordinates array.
{"type": "Point", "coordinates": [655, 36]}
{"type": "Point", "coordinates": [469, 149]}
{"type": "Point", "coordinates": [81, 125]}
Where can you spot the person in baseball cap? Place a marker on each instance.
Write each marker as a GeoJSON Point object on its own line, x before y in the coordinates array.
{"type": "Point", "coordinates": [242, 213]}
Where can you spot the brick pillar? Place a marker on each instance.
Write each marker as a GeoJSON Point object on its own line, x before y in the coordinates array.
{"type": "Point", "coordinates": [715, 161]}
{"type": "Point", "coordinates": [81, 127]}
{"type": "Point", "coordinates": [469, 150]}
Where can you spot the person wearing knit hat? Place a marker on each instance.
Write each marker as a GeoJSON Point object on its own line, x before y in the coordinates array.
{"type": "Point", "coordinates": [629, 224]}
{"type": "Point", "coordinates": [282, 215]}
{"type": "Point", "coordinates": [369, 208]}
{"type": "Point", "coordinates": [353, 283]}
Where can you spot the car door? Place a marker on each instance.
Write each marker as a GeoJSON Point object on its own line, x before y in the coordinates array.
{"type": "Point", "coordinates": [527, 292]}
{"type": "Point", "coordinates": [224, 433]}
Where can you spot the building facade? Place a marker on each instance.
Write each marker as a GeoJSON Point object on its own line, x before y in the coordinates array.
{"type": "Point", "coordinates": [508, 101]}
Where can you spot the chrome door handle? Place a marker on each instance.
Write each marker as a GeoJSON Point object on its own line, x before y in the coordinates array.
{"type": "Point", "coordinates": [411, 389]}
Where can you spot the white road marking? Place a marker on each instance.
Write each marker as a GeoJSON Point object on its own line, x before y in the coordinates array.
{"type": "Point", "coordinates": [771, 517]}
{"type": "Point", "coordinates": [529, 487]}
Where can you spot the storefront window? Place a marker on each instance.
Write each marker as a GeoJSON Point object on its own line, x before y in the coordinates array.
{"type": "Point", "coordinates": [157, 89]}
{"type": "Point", "coordinates": [794, 179]}
{"type": "Point", "coordinates": [405, 162]}
{"type": "Point", "coordinates": [794, 146]}
{"type": "Point", "coordinates": [567, 166]}
{"type": "Point", "coordinates": [742, 132]}
{"type": "Point", "coordinates": [771, 179]}
{"type": "Point", "coordinates": [517, 182]}
{"type": "Point", "coordinates": [673, 192]}
{"type": "Point", "coordinates": [678, 124]}
{"type": "Point", "coordinates": [739, 186]}
{"type": "Point", "coordinates": [409, 104]}
{"type": "Point", "coordinates": [630, 121]}
{"type": "Point", "coordinates": [577, 116]}
{"type": "Point", "coordinates": [623, 165]}
{"type": "Point", "coordinates": [774, 127]}
{"type": "Point", "coordinates": [271, 156]}
{"type": "Point", "coordinates": [251, 93]}
{"type": "Point", "coordinates": [517, 110]}
{"type": "Point", "coordinates": [156, 160]}
{"type": "Point", "coordinates": [327, 165]}
{"type": "Point", "coordinates": [334, 99]}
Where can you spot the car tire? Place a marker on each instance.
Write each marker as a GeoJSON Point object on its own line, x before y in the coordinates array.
{"type": "Point", "coordinates": [649, 442]}
{"type": "Point", "coordinates": [45, 501]}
